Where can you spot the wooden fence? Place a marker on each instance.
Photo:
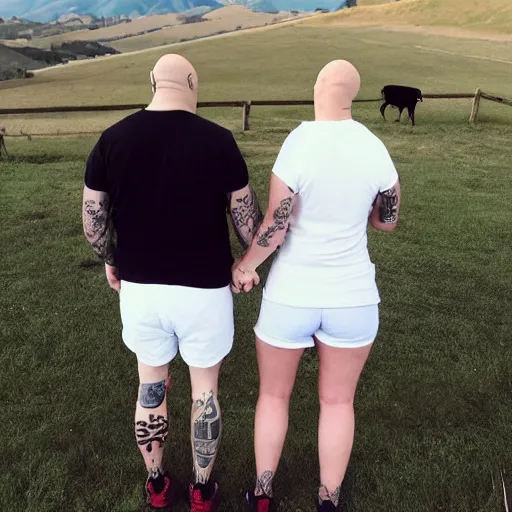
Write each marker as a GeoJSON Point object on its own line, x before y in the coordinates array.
{"type": "Point", "coordinates": [244, 105]}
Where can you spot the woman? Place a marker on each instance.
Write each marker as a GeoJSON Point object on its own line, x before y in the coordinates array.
{"type": "Point", "coordinates": [332, 175]}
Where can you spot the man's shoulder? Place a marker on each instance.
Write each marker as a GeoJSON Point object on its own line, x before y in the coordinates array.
{"type": "Point", "coordinates": [212, 127]}
{"type": "Point", "coordinates": [123, 124]}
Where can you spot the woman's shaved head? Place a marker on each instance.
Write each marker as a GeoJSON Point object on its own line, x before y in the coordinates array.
{"type": "Point", "coordinates": [337, 85]}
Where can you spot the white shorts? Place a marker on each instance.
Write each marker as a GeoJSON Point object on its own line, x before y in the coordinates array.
{"type": "Point", "coordinates": [160, 319]}
{"type": "Point", "coordinates": [293, 327]}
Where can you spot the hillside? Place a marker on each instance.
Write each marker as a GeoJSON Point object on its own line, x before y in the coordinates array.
{"type": "Point", "coordinates": [227, 19]}
{"type": "Point", "coordinates": [13, 64]}
{"type": "Point", "coordinates": [492, 16]}
{"type": "Point", "coordinates": [45, 11]}
{"type": "Point", "coordinates": [124, 29]}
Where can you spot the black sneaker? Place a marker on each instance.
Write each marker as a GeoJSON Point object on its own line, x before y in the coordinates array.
{"type": "Point", "coordinates": [327, 506]}
{"type": "Point", "coordinates": [259, 503]}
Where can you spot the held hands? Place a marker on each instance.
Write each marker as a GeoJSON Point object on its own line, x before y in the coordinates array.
{"type": "Point", "coordinates": [113, 280]}
{"type": "Point", "coordinates": [243, 278]}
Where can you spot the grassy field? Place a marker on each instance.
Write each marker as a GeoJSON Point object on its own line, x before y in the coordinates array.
{"type": "Point", "coordinates": [238, 68]}
{"type": "Point", "coordinates": [223, 19]}
{"type": "Point", "coordinates": [434, 412]}
{"type": "Point", "coordinates": [493, 16]}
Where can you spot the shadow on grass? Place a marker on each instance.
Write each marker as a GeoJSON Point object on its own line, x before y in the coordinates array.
{"type": "Point", "coordinates": [89, 264]}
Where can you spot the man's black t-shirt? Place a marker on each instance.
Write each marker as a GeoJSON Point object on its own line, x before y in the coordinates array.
{"type": "Point", "coordinates": [167, 174]}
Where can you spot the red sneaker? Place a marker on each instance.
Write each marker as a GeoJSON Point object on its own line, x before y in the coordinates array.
{"type": "Point", "coordinates": [204, 498]}
{"type": "Point", "coordinates": [158, 493]}
{"type": "Point", "coordinates": [259, 503]}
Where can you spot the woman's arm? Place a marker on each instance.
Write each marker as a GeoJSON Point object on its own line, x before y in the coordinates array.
{"type": "Point", "coordinates": [271, 233]}
{"type": "Point", "coordinates": [384, 215]}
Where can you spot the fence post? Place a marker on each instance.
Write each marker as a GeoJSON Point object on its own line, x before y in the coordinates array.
{"type": "Point", "coordinates": [476, 105]}
{"type": "Point", "coordinates": [3, 148]}
{"type": "Point", "coordinates": [246, 112]}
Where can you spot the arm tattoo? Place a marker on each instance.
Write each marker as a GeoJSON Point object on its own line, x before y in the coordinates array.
{"type": "Point", "coordinates": [388, 206]}
{"type": "Point", "coordinates": [206, 433]}
{"type": "Point", "coordinates": [246, 217]}
{"type": "Point", "coordinates": [281, 217]}
{"type": "Point", "coordinates": [334, 496]}
{"type": "Point", "coordinates": [153, 431]}
{"type": "Point", "coordinates": [99, 230]}
{"type": "Point", "coordinates": [264, 484]}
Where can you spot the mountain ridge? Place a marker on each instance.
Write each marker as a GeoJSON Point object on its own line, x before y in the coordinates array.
{"type": "Point", "coordinates": [46, 11]}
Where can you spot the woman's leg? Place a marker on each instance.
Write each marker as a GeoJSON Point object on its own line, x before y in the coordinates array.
{"type": "Point", "coordinates": [277, 371]}
{"type": "Point", "coordinates": [340, 369]}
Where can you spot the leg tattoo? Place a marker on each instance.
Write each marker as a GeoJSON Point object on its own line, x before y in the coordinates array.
{"type": "Point", "coordinates": [206, 433]}
{"type": "Point", "coordinates": [264, 484]}
{"type": "Point", "coordinates": [153, 431]}
{"type": "Point", "coordinates": [152, 395]}
{"type": "Point", "coordinates": [325, 495]}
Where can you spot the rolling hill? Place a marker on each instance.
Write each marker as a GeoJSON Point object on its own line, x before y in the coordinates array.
{"type": "Point", "coordinates": [44, 10]}
{"type": "Point", "coordinates": [492, 16]}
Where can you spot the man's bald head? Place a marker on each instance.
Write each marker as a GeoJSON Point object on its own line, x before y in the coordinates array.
{"type": "Point", "coordinates": [336, 87]}
{"type": "Point", "coordinates": [174, 80]}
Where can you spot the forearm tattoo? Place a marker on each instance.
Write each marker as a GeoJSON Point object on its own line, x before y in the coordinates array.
{"type": "Point", "coordinates": [334, 496]}
{"type": "Point", "coordinates": [388, 206]}
{"type": "Point", "coordinates": [206, 433]}
{"type": "Point", "coordinates": [264, 484]}
{"type": "Point", "coordinates": [99, 230]}
{"type": "Point", "coordinates": [281, 217]}
{"type": "Point", "coordinates": [246, 217]}
{"type": "Point", "coordinates": [153, 431]}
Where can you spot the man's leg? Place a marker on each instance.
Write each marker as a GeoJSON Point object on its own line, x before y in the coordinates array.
{"type": "Point", "coordinates": [151, 422]}
{"type": "Point", "coordinates": [206, 422]}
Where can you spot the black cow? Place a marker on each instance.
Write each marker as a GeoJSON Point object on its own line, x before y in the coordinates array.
{"type": "Point", "coordinates": [401, 96]}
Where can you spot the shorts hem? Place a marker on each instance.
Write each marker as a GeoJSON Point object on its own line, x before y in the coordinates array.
{"type": "Point", "coordinates": [152, 363]}
{"type": "Point", "coordinates": [209, 364]}
{"type": "Point", "coordinates": [344, 344]}
{"type": "Point", "coordinates": [282, 343]}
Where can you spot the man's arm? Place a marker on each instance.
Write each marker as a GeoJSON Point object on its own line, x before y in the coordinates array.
{"type": "Point", "coordinates": [245, 214]}
{"type": "Point", "coordinates": [97, 224]}
{"type": "Point", "coordinates": [384, 215]}
{"type": "Point", "coordinates": [273, 229]}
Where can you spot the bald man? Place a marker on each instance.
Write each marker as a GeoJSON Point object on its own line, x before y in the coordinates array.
{"type": "Point", "coordinates": [330, 178]}
{"type": "Point", "coordinates": [157, 188]}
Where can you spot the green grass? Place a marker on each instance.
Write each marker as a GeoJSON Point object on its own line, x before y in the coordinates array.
{"type": "Point", "coordinates": [494, 16]}
{"type": "Point", "coordinates": [434, 417]}
{"type": "Point", "coordinates": [268, 65]}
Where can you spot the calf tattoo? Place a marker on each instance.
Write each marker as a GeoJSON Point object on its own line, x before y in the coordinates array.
{"type": "Point", "coordinates": [152, 395]}
{"type": "Point", "coordinates": [388, 206]}
{"type": "Point", "coordinates": [281, 217]}
{"type": "Point", "coordinates": [153, 431]}
{"type": "Point", "coordinates": [99, 230]}
{"type": "Point", "coordinates": [206, 433]}
{"type": "Point", "coordinates": [246, 216]}
{"type": "Point", "coordinates": [264, 484]}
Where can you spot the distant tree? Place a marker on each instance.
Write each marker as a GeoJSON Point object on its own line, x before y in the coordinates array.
{"type": "Point", "coordinates": [2, 21]}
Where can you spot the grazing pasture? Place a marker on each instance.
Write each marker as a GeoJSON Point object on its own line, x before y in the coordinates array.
{"type": "Point", "coordinates": [434, 415]}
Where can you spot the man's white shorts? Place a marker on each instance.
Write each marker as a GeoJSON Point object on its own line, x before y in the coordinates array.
{"type": "Point", "coordinates": [158, 320]}
{"type": "Point", "coordinates": [292, 327]}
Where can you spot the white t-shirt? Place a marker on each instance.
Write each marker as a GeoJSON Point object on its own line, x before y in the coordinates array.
{"type": "Point", "coordinates": [336, 169]}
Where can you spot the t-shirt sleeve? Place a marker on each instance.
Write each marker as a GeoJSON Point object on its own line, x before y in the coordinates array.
{"type": "Point", "coordinates": [96, 168]}
{"type": "Point", "coordinates": [235, 168]}
{"type": "Point", "coordinates": [286, 166]}
{"type": "Point", "coordinates": [388, 176]}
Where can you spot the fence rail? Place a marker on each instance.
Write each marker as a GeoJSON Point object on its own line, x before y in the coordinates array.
{"type": "Point", "coordinates": [477, 96]}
